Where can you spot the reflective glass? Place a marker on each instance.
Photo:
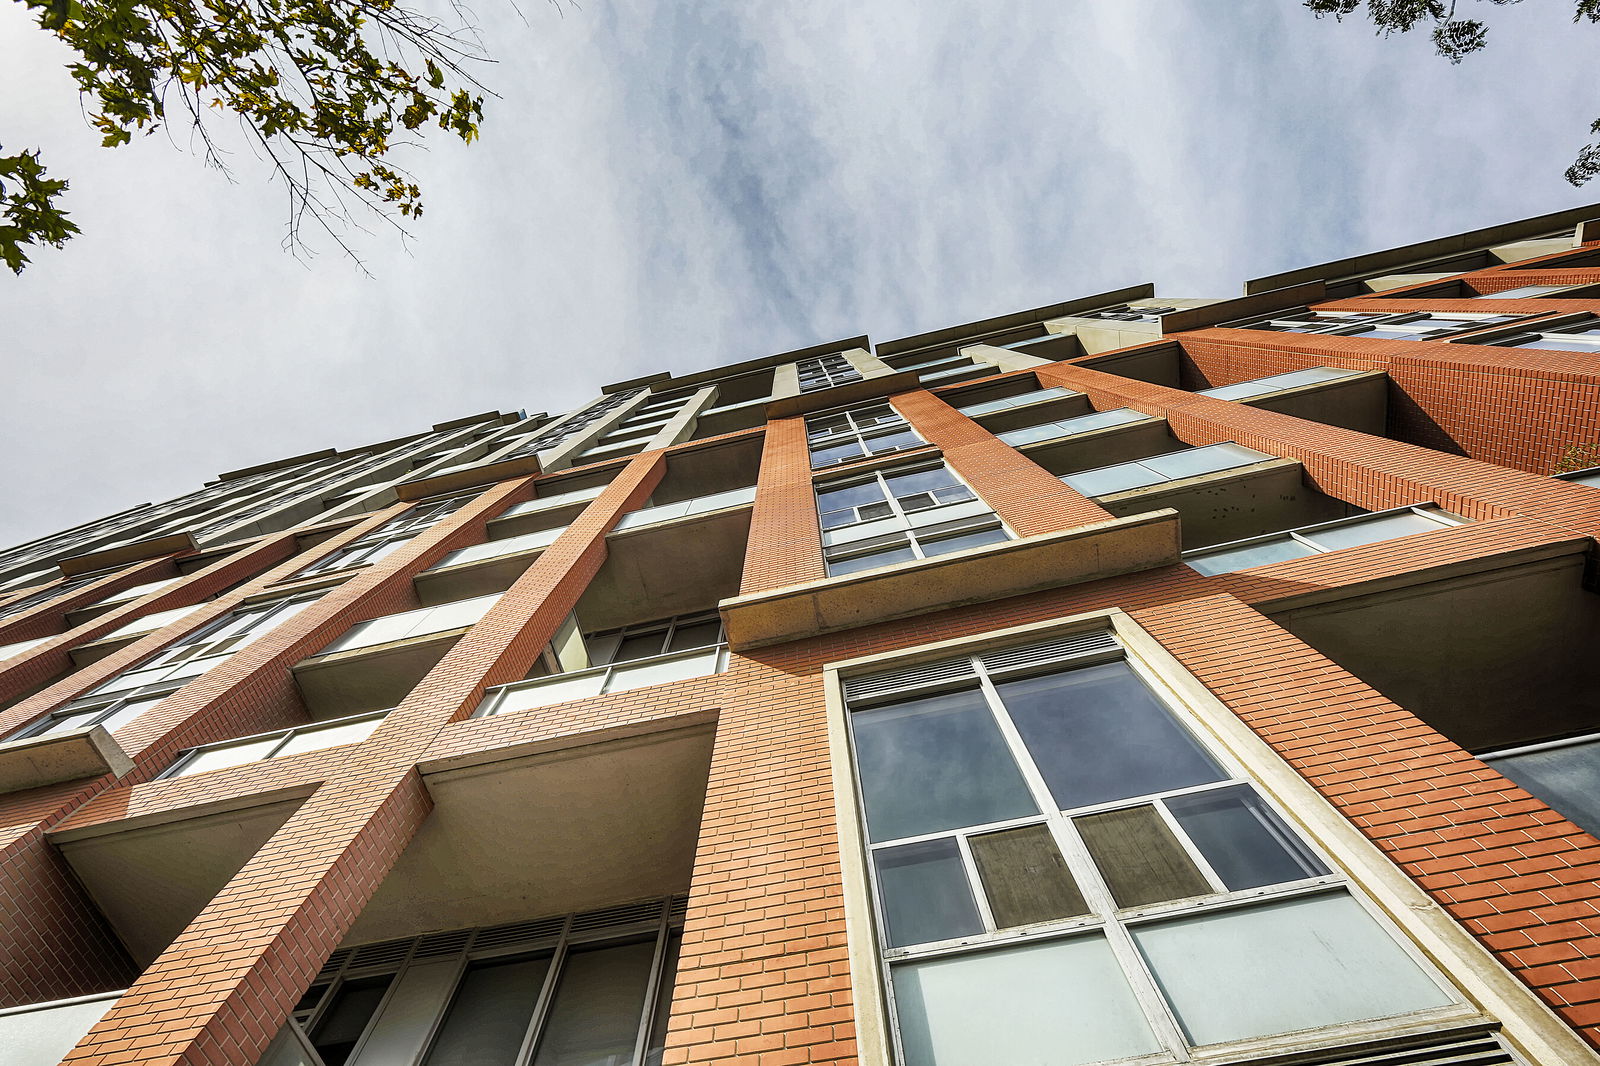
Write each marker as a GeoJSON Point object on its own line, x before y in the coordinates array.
{"type": "Point", "coordinates": [936, 763]}
{"type": "Point", "coordinates": [1243, 840]}
{"type": "Point", "coordinates": [965, 540]}
{"type": "Point", "coordinates": [1098, 734]}
{"type": "Point", "coordinates": [347, 1017]}
{"type": "Point", "coordinates": [548, 692]}
{"type": "Point", "coordinates": [328, 737]}
{"type": "Point", "coordinates": [1567, 778]}
{"type": "Point", "coordinates": [836, 499]}
{"type": "Point", "coordinates": [695, 635]}
{"type": "Point", "coordinates": [490, 1013]}
{"type": "Point", "coordinates": [836, 453]}
{"type": "Point", "coordinates": [1372, 530]}
{"type": "Point", "coordinates": [640, 645]}
{"type": "Point", "coordinates": [839, 567]}
{"type": "Point", "coordinates": [1556, 342]}
{"type": "Point", "coordinates": [598, 1007]}
{"type": "Point", "coordinates": [1242, 558]}
{"type": "Point", "coordinates": [1062, 1003]}
{"type": "Point", "coordinates": [661, 671]}
{"type": "Point", "coordinates": [1274, 968]}
{"type": "Point", "coordinates": [1108, 479]}
{"type": "Point", "coordinates": [922, 481]}
{"type": "Point", "coordinates": [232, 755]}
{"type": "Point", "coordinates": [1192, 462]}
{"type": "Point", "coordinates": [128, 712]}
{"type": "Point", "coordinates": [925, 893]}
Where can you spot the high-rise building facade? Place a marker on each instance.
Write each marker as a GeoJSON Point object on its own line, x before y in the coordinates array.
{"type": "Point", "coordinates": [1128, 680]}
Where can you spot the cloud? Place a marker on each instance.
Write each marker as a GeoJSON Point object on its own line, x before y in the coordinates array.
{"type": "Point", "coordinates": [670, 186]}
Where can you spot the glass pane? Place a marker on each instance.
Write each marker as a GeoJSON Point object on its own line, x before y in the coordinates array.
{"type": "Point", "coordinates": [347, 1017]}
{"type": "Point", "coordinates": [1242, 391]}
{"type": "Point", "coordinates": [1245, 843]}
{"type": "Point", "coordinates": [925, 893]}
{"type": "Point", "coordinates": [695, 635]}
{"type": "Point", "coordinates": [640, 645]}
{"type": "Point", "coordinates": [328, 737]}
{"type": "Point", "coordinates": [490, 1014]}
{"type": "Point", "coordinates": [992, 535]}
{"type": "Point", "coordinates": [890, 442]}
{"type": "Point", "coordinates": [1195, 461]}
{"type": "Point", "coordinates": [838, 567]}
{"type": "Point", "coordinates": [1557, 342]}
{"type": "Point", "coordinates": [1298, 964]}
{"type": "Point", "coordinates": [1242, 558]}
{"type": "Point", "coordinates": [67, 723]}
{"type": "Point", "coordinates": [662, 671]}
{"type": "Point", "coordinates": [595, 1018]}
{"type": "Point", "coordinates": [1371, 530]}
{"type": "Point", "coordinates": [1109, 479]}
{"type": "Point", "coordinates": [1567, 778]}
{"type": "Point", "coordinates": [1101, 419]}
{"type": "Point", "coordinates": [232, 755]}
{"type": "Point", "coordinates": [837, 453]}
{"type": "Point", "coordinates": [1063, 1002]}
{"type": "Point", "coordinates": [921, 481]}
{"type": "Point", "coordinates": [837, 499]}
{"type": "Point", "coordinates": [128, 712]}
{"type": "Point", "coordinates": [1098, 734]}
{"type": "Point", "coordinates": [1140, 858]}
{"type": "Point", "coordinates": [1025, 878]}
{"type": "Point", "coordinates": [656, 1047]}
{"type": "Point", "coordinates": [572, 688]}
{"type": "Point", "coordinates": [936, 763]}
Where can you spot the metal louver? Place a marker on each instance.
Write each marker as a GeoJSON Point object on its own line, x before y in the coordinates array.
{"type": "Point", "coordinates": [387, 953]}
{"type": "Point", "coordinates": [1096, 643]}
{"type": "Point", "coordinates": [627, 914]}
{"type": "Point", "coordinates": [1475, 1049]}
{"type": "Point", "coordinates": [923, 674]}
{"type": "Point", "coordinates": [505, 934]}
{"type": "Point", "coordinates": [331, 967]}
{"type": "Point", "coordinates": [436, 944]}
{"type": "Point", "coordinates": [677, 908]}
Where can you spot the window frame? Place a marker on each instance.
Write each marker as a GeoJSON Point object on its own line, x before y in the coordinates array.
{"type": "Point", "coordinates": [853, 431]}
{"type": "Point", "coordinates": [1412, 919]}
{"type": "Point", "coordinates": [1428, 509]}
{"type": "Point", "coordinates": [907, 535]}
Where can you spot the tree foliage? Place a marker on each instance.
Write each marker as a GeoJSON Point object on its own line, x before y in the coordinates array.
{"type": "Point", "coordinates": [325, 90]}
{"type": "Point", "coordinates": [1455, 38]}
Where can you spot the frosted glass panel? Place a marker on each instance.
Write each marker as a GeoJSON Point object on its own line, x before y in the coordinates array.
{"type": "Point", "coordinates": [233, 755]}
{"type": "Point", "coordinates": [598, 1008]}
{"type": "Point", "coordinates": [1299, 964]}
{"type": "Point", "coordinates": [661, 671]}
{"type": "Point", "coordinates": [1109, 479]}
{"type": "Point", "coordinates": [128, 712]}
{"type": "Point", "coordinates": [1195, 461]}
{"type": "Point", "coordinates": [330, 737]}
{"type": "Point", "coordinates": [572, 688]}
{"type": "Point", "coordinates": [936, 763]}
{"type": "Point", "coordinates": [1272, 551]}
{"type": "Point", "coordinates": [1059, 1003]}
{"type": "Point", "coordinates": [1386, 527]}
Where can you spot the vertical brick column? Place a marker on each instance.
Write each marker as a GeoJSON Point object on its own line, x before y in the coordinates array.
{"type": "Point", "coordinates": [256, 947]}
{"type": "Point", "coordinates": [785, 546]}
{"type": "Point", "coordinates": [1517, 875]}
{"type": "Point", "coordinates": [1028, 498]}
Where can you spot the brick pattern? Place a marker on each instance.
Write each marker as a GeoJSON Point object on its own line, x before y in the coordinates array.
{"type": "Point", "coordinates": [1025, 496]}
{"type": "Point", "coordinates": [785, 546]}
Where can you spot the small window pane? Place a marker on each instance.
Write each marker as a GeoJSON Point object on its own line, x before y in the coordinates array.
{"type": "Point", "coordinates": [347, 1017]}
{"type": "Point", "coordinates": [1109, 479]}
{"type": "Point", "coordinates": [1567, 778]}
{"type": "Point", "coordinates": [1372, 530]}
{"type": "Point", "coordinates": [328, 737]}
{"type": "Point", "coordinates": [663, 671]}
{"type": "Point", "coordinates": [1245, 843]}
{"type": "Point", "coordinates": [232, 755]}
{"type": "Point", "coordinates": [921, 481]}
{"type": "Point", "coordinates": [599, 1005]}
{"type": "Point", "coordinates": [1098, 734]}
{"type": "Point", "coordinates": [993, 535]}
{"type": "Point", "coordinates": [936, 763]}
{"type": "Point", "coordinates": [556, 691]}
{"type": "Point", "coordinates": [695, 635]}
{"type": "Point", "coordinates": [1193, 462]}
{"type": "Point", "coordinates": [925, 893]}
{"type": "Point", "coordinates": [1297, 964]}
{"type": "Point", "coordinates": [1271, 551]}
{"type": "Point", "coordinates": [839, 567]}
{"type": "Point", "coordinates": [1064, 1002]}
{"type": "Point", "coordinates": [1025, 878]}
{"type": "Point", "coordinates": [1140, 858]}
{"type": "Point", "coordinates": [836, 453]}
{"type": "Point", "coordinates": [128, 712]}
{"type": "Point", "coordinates": [656, 1047]}
{"type": "Point", "coordinates": [640, 646]}
{"type": "Point", "coordinates": [490, 1013]}
{"type": "Point", "coordinates": [837, 499]}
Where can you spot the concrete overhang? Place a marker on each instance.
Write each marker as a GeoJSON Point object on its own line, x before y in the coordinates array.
{"type": "Point", "coordinates": [969, 333]}
{"type": "Point", "coordinates": [1102, 447]}
{"type": "Point", "coordinates": [871, 388]}
{"type": "Point", "coordinates": [279, 464]}
{"type": "Point", "coordinates": [1058, 346]}
{"type": "Point", "coordinates": [559, 513]}
{"type": "Point", "coordinates": [371, 678]}
{"type": "Point", "coordinates": [1249, 306]}
{"type": "Point", "coordinates": [104, 559]}
{"type": "Point", "coordinates": [563, 824]}
{"type": "Point", "coordinates": [82, 753]}
{"type": "Point", "coordinates": [974, 575]}
{"type": "Point", "coordinates": [675, 567]}
{"type": "Point", "coordinates": [151, 878]}
{"type": "Point", "coordinates": [472, 476]}
{"type": "Point", "coordinates": [478, 577]}
{"type": "Point", "coordinates": [1229, 505]}
{"type": "Point", "coordinates": [1359, 402]}
{"type": "Point", "coordinates": [1155, 364]}
{"type": "Point", "coordinates": [1053, 409]}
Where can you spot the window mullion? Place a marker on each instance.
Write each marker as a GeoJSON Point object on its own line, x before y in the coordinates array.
{"type": "Point", "coordinates": [652, 989]}
{"type": "Point", "coordinates": [547, 995]}
{"type": "Point", "coordinates": [980, 897]}
{"type": "Point", "coordinates": [1195, 855]}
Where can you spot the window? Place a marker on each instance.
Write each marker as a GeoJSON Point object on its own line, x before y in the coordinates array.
{"type": "Point", "coordinates": [1323, 537]}
{"type": "Point", "coordinates": [825, 371]}
{"type": "Point", "coordinates": [1523, 292]}
{"type": "Point", "coordinates": [1580, 337]}
{"type": "Point", "coordinates": [1022, 399]}
{"type": "Point", "coordinates": [1408, 325]}
{"type": "Point", "coordinates": [1067, 427]}
{"type": "Point", "coordinates": [45, 595]}
{"type": "Point", "coordinates": [1563, 773]}
{"type": "Point", "coordinates": [1589, 476]}
{"type": "Point", "coordinates": [876, 429]}
{"type": "Point", "coordinates": [573, 424]}
{"type": "Point", "coordinates": [1125, 313]}
{"type": "Point", "coordinates": [1171, 466]}
{"type": "Point", "coordinates": [1277, 383]}
{"type": "Point", "coordinates": [651, 653]}
{"type": "Point", "coordinates": [275, 745]}
{"type": "Point", "coordinates": [111, 714]}
{"type": "Point", "coordinates": [901, 514]}
{"type": "Point", "coordinates": [387, 538]}
{"type": "Point", "coordinates": [588, 989]}
{"type": "Point", "coordinates": [1064, 872]}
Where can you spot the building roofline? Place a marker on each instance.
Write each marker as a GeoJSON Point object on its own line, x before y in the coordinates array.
{"type": "Point", "coordinates": [999, 323]}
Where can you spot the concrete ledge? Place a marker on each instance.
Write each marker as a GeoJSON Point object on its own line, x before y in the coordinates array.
{"type": "Point", "coordinates": [975, 575]}
{"type": "Point", "coordinates": [169, 544]}
{"type": "Point", "coordinates": [48, 760]}
{"type": "Point", "coordinates": [356, 680]}
{"type": "Point", "coordinates": [839, 395]}
{"type": "Point", "coordinates": [451, 480]}
{"type": "Point", "coordinates": [1259, 303]}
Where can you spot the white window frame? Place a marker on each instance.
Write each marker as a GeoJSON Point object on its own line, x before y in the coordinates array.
{"type": "Point", "coordinates": [188, 755]}
{"type": "Point", "coordinates": [818, 372]}
{"type": "Point", "coordinates": [862, 425]}
{"type": "Point", "coordinates": [1417, 923]}
{"type": "Point", "coordinates": [1429, 510]}
{"type": "Point", "coordinates": [906, 534]}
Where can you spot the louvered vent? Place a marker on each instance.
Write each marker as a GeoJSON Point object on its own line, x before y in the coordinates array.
{"type": "Point", "coordinates": [335, 961]}
{"type": "Point", "coordinates": [1098, 642]}
{"type": "Point", "coordinates": [1478, 1049]}
{"type": "Point", "coordinates": [542, 929]}
{"type": "Point", "coordinates": [677, 909]}
{"type": "Point", "coordinates": [627, 914]}
{"type": "Point", "coordinates": [436, 944]}
{"type": "Point", "coordinates": [864, 688]}
{"type": "Point", "coordinates": [385, 954]}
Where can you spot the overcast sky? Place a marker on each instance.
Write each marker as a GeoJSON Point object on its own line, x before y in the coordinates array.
{"type": "Point", "coordinates": [670, 185]}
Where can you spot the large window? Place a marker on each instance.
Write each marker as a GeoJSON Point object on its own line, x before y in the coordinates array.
{"type": "Point", "coordinates": [825, 371]}
{"type": "Point", "coordinates": [1408, 325]}
{"type": "Point", "coordinates": [387, 538]}
{"type": "Point", "coordinates": [589, 989]}
{"type": "Point", "coordinates": [874, 429]}
{"type": "Point", "coordinates": [1323, 537]}
{"type": "Point", "coordinates": [1064, 872]}
{"type": "Point", "coordinates": [901, 514]}
{"type": "Point", "coordinates": [1581, 336]}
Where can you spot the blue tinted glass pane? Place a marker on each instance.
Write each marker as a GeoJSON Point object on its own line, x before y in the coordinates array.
{"type": "Point", "coordinates": [836, 567]}
{"type": "Point", "coordinates": [1272, 551]}
{"type": "Point", "coordinates": [965, 540]}
{"type": "Point", "coordinates": [925, 893]}
{"type": "Point", "coordinates": [848, 496]}
{"type": "Point", "coordinates": [1098, 734]}
{"type": "Point", "coordinates": [1566, 778]}
{"type": "Point", "coordinates": [921, 481]}
{"type": "Point", "coordinates": [936, 763]}
{"type": "Point", "coordinates": [1242, 839]}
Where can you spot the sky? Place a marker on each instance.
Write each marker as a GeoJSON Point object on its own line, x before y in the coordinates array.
{"type": "Point", "coordinates": [665, 185]}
